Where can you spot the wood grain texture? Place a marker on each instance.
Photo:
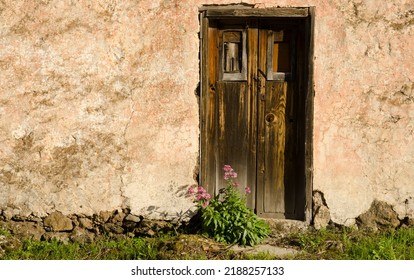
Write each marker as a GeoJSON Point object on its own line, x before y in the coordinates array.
{"type": "Point", "coordinates": [257, 125]}
{"type": "Point", "coordinates": [267, 12]}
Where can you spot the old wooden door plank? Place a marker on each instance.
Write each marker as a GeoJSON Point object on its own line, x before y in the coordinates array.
{"type": "Point", "coordinates": [252, 36]}
{"type": "Point", "coordinates": [267, 12]}
{"type": "Point", "coordinates": [209, 117]}
{"type": "Point", "coordinates": [261, 91]}
{"type": "Point", "coordinates": [308, 165]}
{"type": "Point", "coordinates": [275, 132]}
{"type": "Point", "coordinates": [233, 130]}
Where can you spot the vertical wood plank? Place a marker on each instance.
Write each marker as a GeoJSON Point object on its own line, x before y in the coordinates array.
{"type": "Point", "coordinates": [204, 102]}
{"type": "Point", "coordinates": [233, 135]}
{"type": "Point", "coordinates": [208, 124]}
{"type": "Point", "coordinates": [275, 133]}
{"type": "Point", "coordinates": [310, 26]}
{"type": "Point", "coordinates": [252, 36]}
{"type": "Point", "coordinates": [261, 80]}
{"type": "Point", "coordinates": [292, 156]}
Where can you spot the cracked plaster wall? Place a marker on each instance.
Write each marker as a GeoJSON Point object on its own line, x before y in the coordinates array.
{"type": "Point", "coordinates": [98, 108]}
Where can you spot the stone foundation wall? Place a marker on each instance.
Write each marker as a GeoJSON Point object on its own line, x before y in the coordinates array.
{"type": "Point", "coordinates": [81, 228]}
{"type": "Point", "coordinates": [99, 106]}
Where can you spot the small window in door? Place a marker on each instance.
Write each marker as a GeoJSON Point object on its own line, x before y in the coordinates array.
{"type": "Point", "coordinates": [233, 55]}
{"type": "Point", "coordinates": [280, 57]}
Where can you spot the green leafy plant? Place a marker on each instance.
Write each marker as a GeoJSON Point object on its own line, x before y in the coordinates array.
{"type": "Point", "coordinates": [226, 217]}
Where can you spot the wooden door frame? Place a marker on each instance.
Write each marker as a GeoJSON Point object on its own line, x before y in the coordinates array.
{"type": "Point", "coordinates": [211, 13]}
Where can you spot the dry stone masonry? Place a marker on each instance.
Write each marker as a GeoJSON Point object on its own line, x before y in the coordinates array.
{"type": "Point", "coordinates": [99, 112]}
{"type": "Point", "coordinates": [80, 228]}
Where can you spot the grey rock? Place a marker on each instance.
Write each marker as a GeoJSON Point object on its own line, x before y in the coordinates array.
{"type": "Point", "coordinates": [265, 248]}
{"type": "Point", "coordinates": [133, 218]}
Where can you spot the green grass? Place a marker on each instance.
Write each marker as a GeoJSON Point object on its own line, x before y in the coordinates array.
{"type": "Point", "coordinates": [356, 245]}
{"type": "Point", "coordinates": [322, 244]}
{"type": "Point", "coordinates": [104, 249]}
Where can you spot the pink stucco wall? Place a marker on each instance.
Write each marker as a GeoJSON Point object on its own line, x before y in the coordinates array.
{"type": "Point", "coordinates": [98, 109]}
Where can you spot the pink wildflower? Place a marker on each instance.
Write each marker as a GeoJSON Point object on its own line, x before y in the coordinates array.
{"type": "Point", "coordinates": [200, 189]}
{"type": "Point", "coordinates": [230, 174]}
{"type": "Point", "coordinates": [205, 204]}
{"type": "Point", "coordinates": [247, 190]}
{"type": "Point", "coordinates": [235, 184]}
{"type": "Point", "coordinates": [190, 190]}
{"type": "Point", "coordinates": [227, 168]}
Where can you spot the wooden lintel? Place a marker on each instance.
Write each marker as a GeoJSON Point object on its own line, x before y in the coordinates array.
{"type": "Point", "coordinates": [265, 12]}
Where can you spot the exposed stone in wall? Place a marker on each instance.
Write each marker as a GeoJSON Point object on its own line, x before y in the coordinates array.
{"type": "Point", "coordinates": [56, 221]}
{"type": "Point", "coordinates": [82, 228]}
{"type": "Point", "coordinates": [380, 216]}
{"type": "Point", "coordinates": [98, 110]}
{"type": "Point", "coordinates": [321, 214]}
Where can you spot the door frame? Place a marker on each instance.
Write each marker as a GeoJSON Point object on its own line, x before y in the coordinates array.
{"type": "Point", "coordinates": [208, 14]}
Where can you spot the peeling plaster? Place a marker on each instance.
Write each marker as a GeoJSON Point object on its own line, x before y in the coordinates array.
{"type": "Point", "coordinates": [98, 110]}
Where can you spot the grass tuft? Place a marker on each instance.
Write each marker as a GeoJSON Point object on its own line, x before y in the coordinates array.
{"type": "Point", "coordinates": [355, 245]}
{"type": "Point", "coordinates": [336, 244]}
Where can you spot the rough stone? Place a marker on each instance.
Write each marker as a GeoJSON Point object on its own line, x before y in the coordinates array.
{"type": "Point", "coordinates": [86, 223]}
{"type": "Point", "coordinates": [26, 230]}
{"type": "Point", "coordinates": [113, 228]}
{"type": "Point", "coordinates": [152, 227]}
{"type": "Point", "coordinates": [63, 237]}
{"type": "Point", "coordinates": [56, 221]}
{"type": "Point", "coordinates": [35, 219]}
{"type": "Point", "coordinates": [9, 213]}
{"type": "Point", "coordinates": [321, 213]}
{"type": "Point", "coordinates": [322, 217]}
{"type": "Point", "coordinates": [81, 236]}
{"type": "Point", "coordinates": [129, 226]}
{"type": "Point", "coordinates": [380, 216]}
{"type": "Point", "coordinates": [133, 218]}
{"type": "Point", "coordinates": [118, 218]}
{"type": "Point", "coordinates": [104, 216]}
{"type": "Point", "coordinates": [266, 248]}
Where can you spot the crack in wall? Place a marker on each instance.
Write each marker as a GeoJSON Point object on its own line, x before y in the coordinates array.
{"type": "Point", "coordinates": [132, 107]}
{"type": "Point", "coordinates": [125, 200]}
{"type": "Point", "coordinates": [125, 204]}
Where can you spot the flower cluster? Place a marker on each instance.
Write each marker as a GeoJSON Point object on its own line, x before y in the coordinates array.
{"type": "Point", "coordinates": [229, 172]}
{"type": "Point", "coordinates": [226, 217]}
{"type": "Point", "coordinates": [200, 195]}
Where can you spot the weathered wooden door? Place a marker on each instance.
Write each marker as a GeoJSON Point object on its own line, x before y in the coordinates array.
{"type": "Point", "coordinates": [253, 110]}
